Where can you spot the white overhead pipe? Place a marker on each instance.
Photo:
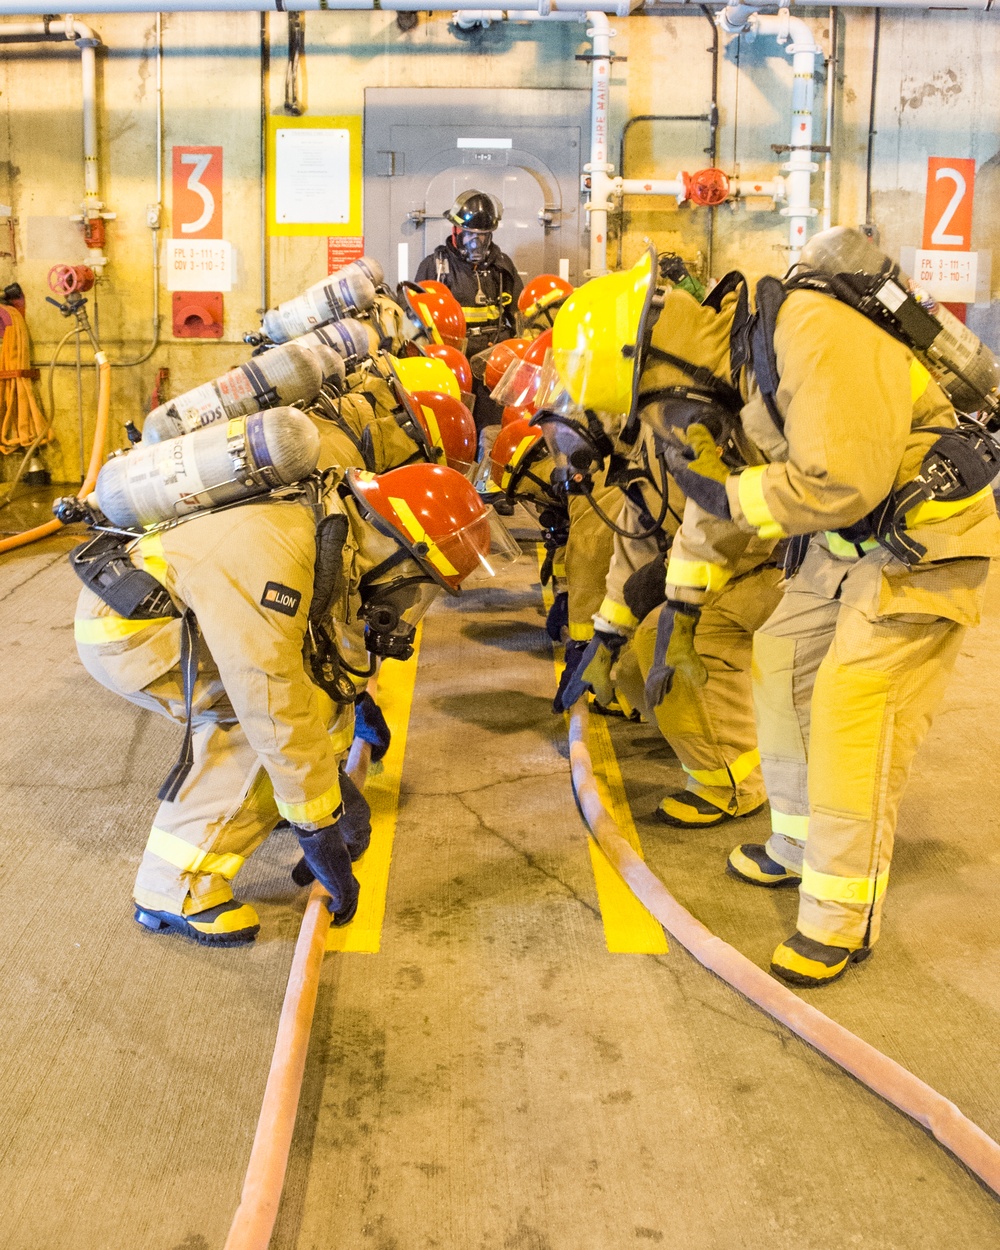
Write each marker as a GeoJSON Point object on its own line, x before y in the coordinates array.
{"type": "Point", "coordinates": [86, 40]}
{"type": "Point", "coordinates": [799, 43]}
{"type": "Point", "coordinates": [734, 17]}
{"type": "Point", "coordinates": [620, 8]}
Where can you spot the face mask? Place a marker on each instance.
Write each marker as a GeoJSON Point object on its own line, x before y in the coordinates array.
{"type": "Point", "coordinates": [474, 245]}
{"type": "Point", "coordinates": [392, 611]}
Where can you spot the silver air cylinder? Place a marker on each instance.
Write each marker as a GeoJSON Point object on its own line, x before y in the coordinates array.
{"type": "Point", "coordinates": [284, 375]}
{"type": "Point", "coordinates": [220, 464]}
{"type": "Point", "coordinates": [961, 364]}
{"type": "Point", "coordinates": [331, 363]}
{"type": "Point", "coordinates": [348, 291]}
{"type": "Point", "coordinates": [352, 340]}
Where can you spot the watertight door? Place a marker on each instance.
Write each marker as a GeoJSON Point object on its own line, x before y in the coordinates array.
{"type": "Point", "coordinates": [423, 146]}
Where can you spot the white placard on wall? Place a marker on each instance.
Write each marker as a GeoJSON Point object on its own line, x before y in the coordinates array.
{"type": "Point", "coordinates": [312, 176]}
{"type": "Point", "coordinates": [199, 265]}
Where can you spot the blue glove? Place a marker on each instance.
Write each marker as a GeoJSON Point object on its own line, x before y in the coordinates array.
{"type": "Point", "coordinates": [558, 617]}
{"type": "Point", "coordinates": [593, 670]}
{"type": "Point", "coordinates": [573, 654]}
{"type": "Point", "coordinates": [355, 828]}
{"type": "Point", "coordinates": [330, 863]}
{"type": "Point", "coordinates": [370, 726]}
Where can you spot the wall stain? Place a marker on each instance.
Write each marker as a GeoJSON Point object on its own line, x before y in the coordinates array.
{"type": "Point", "coordinates": [944, 86]}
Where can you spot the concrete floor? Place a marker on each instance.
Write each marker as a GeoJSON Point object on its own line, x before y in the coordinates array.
{"type": "Point", "coordinates": [493, 1078]}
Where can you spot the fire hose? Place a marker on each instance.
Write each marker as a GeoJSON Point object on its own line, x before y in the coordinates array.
{"type": "Point", "coordinates": [265, 1176]}
{"type": "Point", "coordinates": [882, 1075]}
{"type": "Point", "coordinates": [96, 458]}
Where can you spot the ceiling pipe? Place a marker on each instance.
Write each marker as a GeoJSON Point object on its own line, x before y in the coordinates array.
{"type": "Point", "coordinates": [543, 8]}
{"type": "Point", "coordinates": [734, 17]}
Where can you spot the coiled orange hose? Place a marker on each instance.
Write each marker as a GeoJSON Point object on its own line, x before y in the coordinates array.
{"type": "Point", "coordinates": [96, 458]}
{"type": "Point", "coordinates": [21, 419]}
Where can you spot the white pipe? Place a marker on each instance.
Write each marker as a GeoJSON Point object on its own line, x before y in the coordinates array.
{"type": "Point", "coordinates": [801, 45]}
{"type": "Point", "coordinates": [600, 34]}
{"type": "Point", "coordinates": [86, 40]}
{"type": "Point", "coordinates": [734, 17]}
{"type": "Point", "coordinates": [469, 19]}
{"type": "Point", "coordinates": [620, 8]}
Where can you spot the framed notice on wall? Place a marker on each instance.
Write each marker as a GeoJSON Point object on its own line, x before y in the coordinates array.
{"type": "Point", "coordinates": [314, 176]}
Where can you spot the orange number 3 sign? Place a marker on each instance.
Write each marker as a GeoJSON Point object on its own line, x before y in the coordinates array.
{"type": "Point", "coordinates": [197, 206]}
{"type": "Point", "coordinates": [948, 211]}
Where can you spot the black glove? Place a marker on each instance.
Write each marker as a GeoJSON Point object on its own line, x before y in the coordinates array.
{"type": "Point", "coordinates": [370, 726]}
{"type": "Point", "coordinates": [699, 470]}
{"type": "Point", "coordinates": [330, 863]}
{"type": "Point", "coordinates": [593, 670]}
{"type": "Point", "coordinates": [573, 653]}
{"type": "Point", "coordinates": [646, 589]}
{"type": "Point", "coordinates": [355, 828]}
{"type": "Point", "coordinates": [558, 617]}
{"type": "Point", "coordinates": [674, 652]}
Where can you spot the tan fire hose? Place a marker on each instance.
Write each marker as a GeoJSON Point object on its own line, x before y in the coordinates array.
{"type": "Point", "coordinates": [93, 468]}
{"type": "Point", "coordinates": [254, 1220]}
{"type": "Point", "coordinates": [958, 1134]}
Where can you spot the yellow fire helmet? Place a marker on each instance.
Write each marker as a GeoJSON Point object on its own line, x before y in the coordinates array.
{"type": "Point", "coordinates": [425, 373]}
{"type": "Point", "coordinates": [598, 337]}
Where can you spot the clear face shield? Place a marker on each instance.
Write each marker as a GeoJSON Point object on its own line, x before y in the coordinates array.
{"type": "Point", "coordinates": [486, 547]}
{"type": "Point", "coordinates": [574, 437]}
{"type": "Point", "coordinates": [474, 245]}
{"type": "Point", "coordinates": [520, 383]}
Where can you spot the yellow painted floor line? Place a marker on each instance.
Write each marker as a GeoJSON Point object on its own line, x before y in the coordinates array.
{"type": "Point", "coordinates": [629, 929]}
{"type": "Point", "coordinates": [396, 681]}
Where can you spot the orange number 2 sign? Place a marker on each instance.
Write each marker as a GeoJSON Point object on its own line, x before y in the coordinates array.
{"type": "Point", "coordinates": [948, 210]}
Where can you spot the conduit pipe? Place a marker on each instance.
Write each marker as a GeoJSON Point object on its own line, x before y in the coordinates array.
{"type": "Point", "coordinates": [260, 1198]}
{"type": "Point", "coordinates": [87, 41]}
{"type": "Point", "coordinates": [890, 1080]}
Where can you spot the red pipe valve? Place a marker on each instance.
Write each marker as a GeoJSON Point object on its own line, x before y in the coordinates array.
{"type": "Point", "coordinates": [69, 279]}
{"type": "Point", "coordinates": [707, 187]}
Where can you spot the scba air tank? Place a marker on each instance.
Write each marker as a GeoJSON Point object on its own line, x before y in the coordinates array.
{"type": "Point", "coordinates": [348, 291]}
{"type": "Point", "coordinates": [351, 340]}
{"type": "Point", "coordinates": [331, 363]}
{"type": "Point", "coordinates": [220, 464]}
{"type": "Point", "coordinates": [286, 375]}
{"type": "Point", "coordinates": [961, 364]}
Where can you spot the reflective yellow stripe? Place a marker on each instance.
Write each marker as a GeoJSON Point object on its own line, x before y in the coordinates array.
{"type": "Point", "coordinates": [154, 562]}
{"type": "Point", "coordinates": [419, 535]}
{"type": "Point", "coordinates": [314, 811]}
{"type": "Point", "coordinates": [581, 633]}
{"type": "Point", "coordinates": [696, 574]}
{"type": "Point", "coordinates": [750, 488]}
{"type": "Point", "coordinates": [919, 378]}
{"type": "Point", "coordinates": [939, 509]}
{"type": "Point", "coordinates": [112, 628]}
{"type": "Point", "coordinates": [618, 614]}
{"type": "Point", "coordinates": [822, 885]}
{"type": "Point", "coordinates": [559, 568]}
{"type": "Point", "coordinates": [845, 550]}
{"type": "Point", "coordinates": [432, 425]}
{"type": "Point", "coordinates": [341, 739]}
{"type": "Point", "coordinates": [478, 314]}
{"type": "Point", "coordinates": [796, 827]}
{"type": "Point", "coordinates": [189, 858]}
{"type": "Point", "coordinates": [738, 771]}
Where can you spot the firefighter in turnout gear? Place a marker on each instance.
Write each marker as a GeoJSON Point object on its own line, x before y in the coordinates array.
{"type": "Point", "coordinates": [482, 278]}
{"type": "Point", "coordinates": [267, 621]}
{"type": "Point", "coordinates": [852, 663]}
{"type": "Point", "coordinates": [704, 709]}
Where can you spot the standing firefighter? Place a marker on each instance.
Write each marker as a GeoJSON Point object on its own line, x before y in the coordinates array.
{"type": "Point", "coordinates": [258, 625]}
{"type": "Point", "coordinates": [482, 278]}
